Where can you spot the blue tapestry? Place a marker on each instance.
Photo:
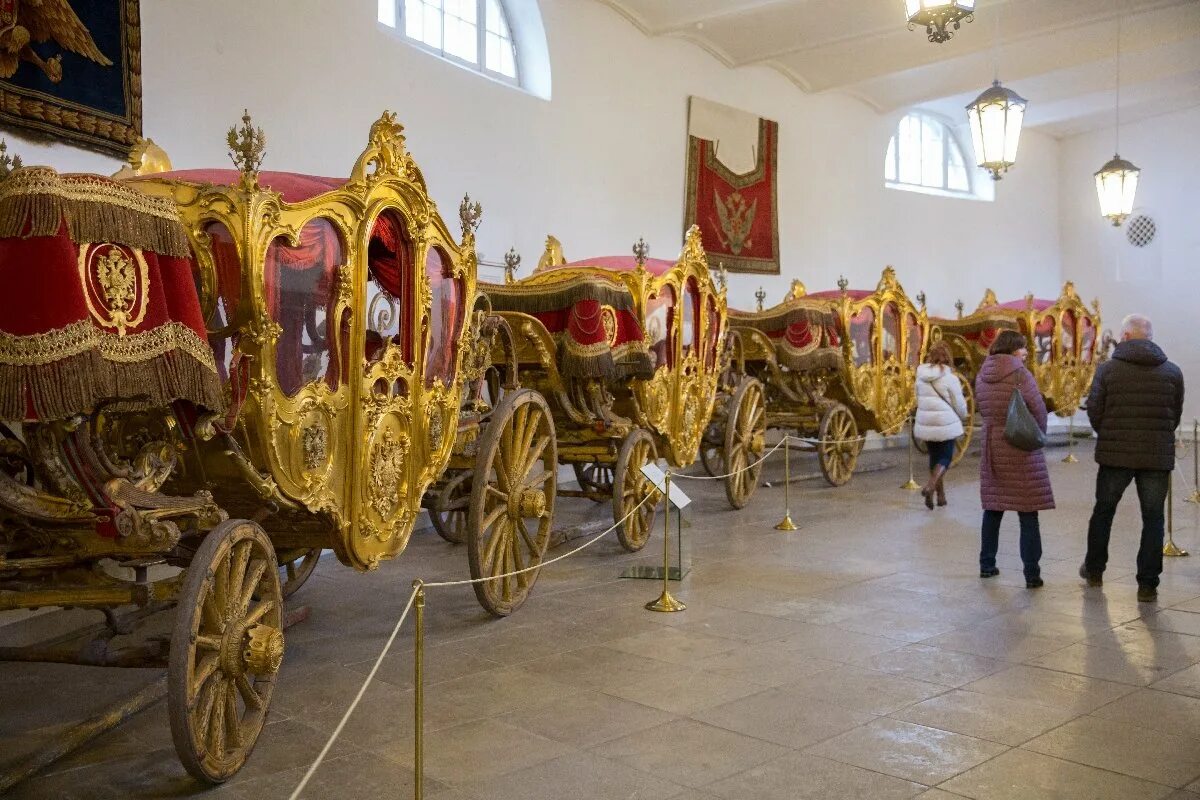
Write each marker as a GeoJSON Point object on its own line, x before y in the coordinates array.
{"type": "Point", "coordinates": [71, 69]}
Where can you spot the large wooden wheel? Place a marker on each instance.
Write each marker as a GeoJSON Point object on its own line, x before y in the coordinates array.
{"type": "Point", "coordinates": [630, 487]}
{"type": "Point", "coordinates": [449, 511]}
{"type": "Point", "coordinates": [745, 441]}
{"type": "Point", "coordinates": [512, 500]}
{"type": "Point", "coordinates": [226, 648]}
{"type": "Point", "coordinates": [295, 567]}
{"type": "Point", "coordinates": [838, 446]}
{"type": "Point", "coordinates": [594, 477]}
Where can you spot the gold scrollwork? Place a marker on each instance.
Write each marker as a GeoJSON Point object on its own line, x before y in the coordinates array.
{"type": "Point", "coordinates": [387, 466]}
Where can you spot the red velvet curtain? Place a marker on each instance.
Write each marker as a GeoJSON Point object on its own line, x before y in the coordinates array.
{"type": "Point", "coordinates": [388, 256]}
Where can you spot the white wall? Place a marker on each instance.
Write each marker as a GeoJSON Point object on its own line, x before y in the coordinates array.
{"type": "Point", "coordinates": [599, 165]}
{"type": "Point", "coordinates": [1161, 281]}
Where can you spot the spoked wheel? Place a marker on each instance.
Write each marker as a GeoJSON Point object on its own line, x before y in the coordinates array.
{"type": "Point", "coordinates": [631, 487]}
{"type": "Point", "coordinates": [745, 441]}
{"type": "Point", "coordinates": [839, 446]}
{"type": "Point", "coordinates": [449, 511]}
{"type": "Point", "coordinates": [964, 441]}
{"type": "Point", "coordinates": [226, 648]}
{"type": "Point", "coordinates": [295, 567]}
{"type": "Point", "coordinates": [512, 500]}
{"type": "Point", "coordinates": [594, 478]}
{"type": "Point", "coordinates": [712, 456]}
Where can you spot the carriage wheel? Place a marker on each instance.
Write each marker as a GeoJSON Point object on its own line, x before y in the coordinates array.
{"type": "Point", "coordinates": [838, 449]}
{"type": "Point", "coordinates": [449, 511]}
{"type": "Point", "coordinates": [512, 500]}
{"type": "Point", "coordinates": [964, 441]}
{"type": "Point", "coordinates": [745, 441]}
{"type": "Point", "coordinates": [631, 487]}
{"type": "Point", "coordinates": [296, 567]}
{"type": "Point", "coordinates": [712, 456]}
{"type": "Point", "coordinates": [226, 648]}
{"type": "Point", "coordinates": [594, 478]}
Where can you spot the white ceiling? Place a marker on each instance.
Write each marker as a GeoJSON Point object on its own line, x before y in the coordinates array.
{"type": "Point", "coordinates": [1059, 54]}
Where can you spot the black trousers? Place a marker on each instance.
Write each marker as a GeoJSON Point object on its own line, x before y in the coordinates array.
{"type": "Point", "coordinates": [1111, 483]}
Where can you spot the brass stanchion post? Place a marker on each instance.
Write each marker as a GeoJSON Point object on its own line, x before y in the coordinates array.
{"type": "Point", "coordinates": [786, 523]}
{"type": "Point", "coordinates": [665, 601]}
{"type": "Point", "coordinates": [1170, 548]}
{"type": "Point", "coordinates": [911, 483]}
{"type": "Point", "coordinates": [1194, 497]}
{"type": "Point", "coordinates": [419, 694]}
{"type": "Point", "coordinates": [1071, 459]}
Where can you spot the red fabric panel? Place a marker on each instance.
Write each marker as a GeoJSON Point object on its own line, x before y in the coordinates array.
{"type": "Point", "coordinates": [292, 187]}
{"type": "Point", "coordinates": [1022, 304]}
{"type": "Point", "coordinates": [655, 266]}
{"type": "Point", "coordinates": [836, 294]}
{"type": "Point", "coordinates": [387, 257]}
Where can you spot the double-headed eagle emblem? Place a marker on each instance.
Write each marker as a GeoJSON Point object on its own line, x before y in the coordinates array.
{"type": "Point", "coordinates": [27, 22]}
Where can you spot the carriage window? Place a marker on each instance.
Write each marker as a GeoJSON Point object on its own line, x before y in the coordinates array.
{"type": "Point", "coordinates": [1044, 340]}
{"type": "Point", "coordinates": [1067, 335]}
{"type": "Point", "coordinates": [712, 332]}
{"type": "Point", "coordinates": [690, 330]}
{"type": "Point", "coordinates": [445, 317]}
{"type": "Point", "coordinates": [862, 326]}
{"type": "Point", "coordinates": [389, 288]}
{"type": "Point", "coordinates": [891, 332]}
{"type": "Point", "coordinates": [299, 280]}
{"type": "Point", "coordinates": [228, 272]}
{"type": "Point", "coordinates": [658, 327]}
{"type": "Point", "coordinates": [1087, 339]}
{"type": "Point", "coordinates": [914, 340]}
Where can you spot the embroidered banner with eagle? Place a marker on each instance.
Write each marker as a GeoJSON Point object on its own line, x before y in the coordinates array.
{"type": "Point", "coordinates": [71, 69]}
{"type": "Point", "coordinates": [731, 178]}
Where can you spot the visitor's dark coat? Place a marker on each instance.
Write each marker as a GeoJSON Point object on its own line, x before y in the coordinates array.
{"type": "Point", "coordinates": [1135, 406]}
{"type": "Point", "coordinates": [1010, 479]}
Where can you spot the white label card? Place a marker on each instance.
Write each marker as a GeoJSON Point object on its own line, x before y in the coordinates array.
{"type": "Point", "coordinates": [659, 478]}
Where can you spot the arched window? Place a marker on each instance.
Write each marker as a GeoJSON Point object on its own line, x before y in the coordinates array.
{"type": "Point", "coordinates": [925, 155]}
{"type": "Point", "coordinates": [474, 33]}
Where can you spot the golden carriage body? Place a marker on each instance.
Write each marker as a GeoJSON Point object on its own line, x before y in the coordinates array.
{"type": "Point", "coordinates": [315, 364]}
{"type": "Point", "coordinates": [625, 349]}
{"type": "Point", "coordinates": [834, 365]}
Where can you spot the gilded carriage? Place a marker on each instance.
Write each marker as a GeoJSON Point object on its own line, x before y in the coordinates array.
{"type": "Point", "coordinates": [1063, 337]}
{"type": "Point", "coordinates": [191, 379]}
{"type": "Point", "coordinates": [834, 365]}
{"type": "Point", "coordinates": [625, 349]}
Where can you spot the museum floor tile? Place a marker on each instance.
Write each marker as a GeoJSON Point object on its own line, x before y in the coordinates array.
{"type": "Point", "coordinates": [860, 656]}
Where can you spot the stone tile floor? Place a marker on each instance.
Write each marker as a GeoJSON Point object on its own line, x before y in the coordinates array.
{"type": "Point", "coordinates": [860, 656]}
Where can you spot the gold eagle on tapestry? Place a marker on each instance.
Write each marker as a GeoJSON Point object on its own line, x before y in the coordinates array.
{"type": "Point", "coordinates": [25, 22]}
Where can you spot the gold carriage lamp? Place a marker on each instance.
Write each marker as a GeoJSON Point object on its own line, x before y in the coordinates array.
{"type": "Point", "coordinates": [110, 314]}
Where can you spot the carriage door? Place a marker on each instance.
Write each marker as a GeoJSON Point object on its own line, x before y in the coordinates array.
{"type": "Point", "coordinates": [385, 498]}
{"type": "Point", "coordinates": [301, 281]}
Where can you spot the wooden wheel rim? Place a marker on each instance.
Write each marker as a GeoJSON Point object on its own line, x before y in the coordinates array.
{"type": "Point", "coordinates": [449, 512]}
{"type": "Point", "coordinates": [226, 649]}
{"type": "Point", "coordinates": [630, 487]}
{"type": "Point", "coordinates": [744, 438]}
{"type": "Point", "coordinates": [517, 465]}
{"type": "Point", "coordinates": [295, 568]}
{"type": "Point", "coordinates": [594, 477]}
{"type": "Point", "coordinates": [839, 448]}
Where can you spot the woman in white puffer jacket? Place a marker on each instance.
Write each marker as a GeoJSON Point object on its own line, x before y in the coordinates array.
{"type": "Point", "coordinates": [941, 410]}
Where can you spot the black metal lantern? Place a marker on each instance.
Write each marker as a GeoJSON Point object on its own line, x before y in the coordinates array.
{"type": "Point", "coordinates": [937, 16]}
{"type": "Point", "coordinates": [996, 117]}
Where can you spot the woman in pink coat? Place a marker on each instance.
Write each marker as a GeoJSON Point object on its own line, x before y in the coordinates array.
{"type": "Point", "coordinates": [1010, 479]}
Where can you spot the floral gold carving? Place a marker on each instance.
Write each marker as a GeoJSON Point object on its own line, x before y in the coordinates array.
{"type": "Point", "coordinates": [387, 472]}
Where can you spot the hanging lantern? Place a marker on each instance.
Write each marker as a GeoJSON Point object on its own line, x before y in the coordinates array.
{"type": "Point", "coordinates": [1116, 183]}
{"type": "Point", "coordinates": [937, 15]}
{"type": "Point", "coordinates": [996, 117]}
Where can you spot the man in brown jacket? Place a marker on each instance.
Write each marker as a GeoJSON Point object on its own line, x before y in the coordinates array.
{"type": "Point", "coordinates": [1134, 406]}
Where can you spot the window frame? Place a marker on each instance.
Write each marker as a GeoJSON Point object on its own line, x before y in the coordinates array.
{"type": "Point", "coordinates": [481, 32]}
{"type": "Point", "coordinates": [950, 139]}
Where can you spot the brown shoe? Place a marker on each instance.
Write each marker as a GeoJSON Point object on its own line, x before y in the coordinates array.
{"type": "Point", "coordinates": [928, 495]}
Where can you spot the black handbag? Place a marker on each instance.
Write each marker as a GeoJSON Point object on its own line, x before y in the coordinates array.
{"type": "Point", "coordinates": [1021, 430]}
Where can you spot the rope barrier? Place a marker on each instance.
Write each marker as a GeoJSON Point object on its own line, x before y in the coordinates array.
{"type": "Point", "coordinates": [357, 698]}
{"type": "Point", "coordinates": [680, 476]}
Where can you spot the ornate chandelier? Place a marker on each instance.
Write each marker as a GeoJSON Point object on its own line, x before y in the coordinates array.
{"type": "Point", "coordinates": [996, 117]}
{"type": "Point", "coordinates": [1116, 181]}
{"type": "Point", "coordinates": [938, 15]}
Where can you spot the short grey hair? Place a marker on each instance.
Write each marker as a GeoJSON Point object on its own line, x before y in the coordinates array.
{"type": "Point", "coordinates": [1135, 326]}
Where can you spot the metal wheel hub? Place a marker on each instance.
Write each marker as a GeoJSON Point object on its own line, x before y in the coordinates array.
{"type": "Point", "coordinates": [264, 650]}
{"type": "Point", "coordinates": [758, 443]}
{"type": "Point", "coordinates": [531, 503]}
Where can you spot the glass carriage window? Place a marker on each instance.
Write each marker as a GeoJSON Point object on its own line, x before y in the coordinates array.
{"type": "Point", "coordinates": [862, 326]}
{"type": "Point", "coordinates": [658, 328]}
{"type": "Point", "coordinates": [389, 288]}
{"type": "Point", "coordinates": [925, 154]}
{"type": "Point", "coordinates": [1067, 333]}
{"type": "Point", "coordinates": [891, 331]}
{"type": "Point", "coordinates": [691, 329]}
{"type": "Point", "coordinates": [228, 268]}
{"type": "Point", "coordinates": [1087, 339]}
{"type": "Point", "coordinates": [1044, 340]}
{"type": "Point", "coordinates": [712, 332]}
{"type": "Point", "coordinates": [914, 340]}
{"type": "Point", "coordinates": [445, 318]}
{"type": "Point", "coordinates": [300, 285]}
{"type": "Point", "coordinates": [471, 32]}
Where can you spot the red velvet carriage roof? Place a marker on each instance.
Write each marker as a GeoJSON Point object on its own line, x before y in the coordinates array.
{"type": "Point", "coordinates": [655, 266]}
{"type": "Point", "coordinates": [292, 187]}
{"type": "Point", "coordinates": [836, 294]}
